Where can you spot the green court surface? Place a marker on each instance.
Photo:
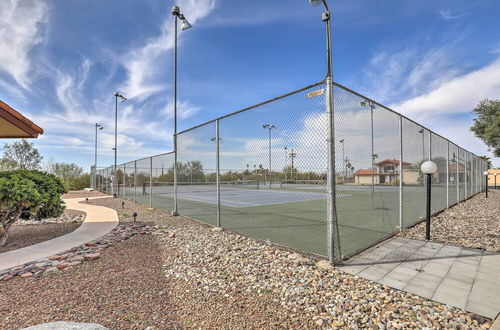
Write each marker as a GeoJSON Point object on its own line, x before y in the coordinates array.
{"type": "Point", "coordinates": [363, 218]}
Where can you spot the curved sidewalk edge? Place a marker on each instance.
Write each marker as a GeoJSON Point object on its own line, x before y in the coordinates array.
{"type": "Point", "coordinates": [98, 222]}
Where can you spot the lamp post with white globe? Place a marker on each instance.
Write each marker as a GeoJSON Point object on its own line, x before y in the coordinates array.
{"type": "Point", "coordinates": [486, 178]}
{"type": "Point", "coordinates": [428, 168]}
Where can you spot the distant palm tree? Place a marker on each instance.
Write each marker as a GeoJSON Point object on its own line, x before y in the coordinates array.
{"type": "Point", "coordinates": [488, 160]}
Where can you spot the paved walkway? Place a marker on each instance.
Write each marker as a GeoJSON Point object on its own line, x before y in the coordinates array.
{"type": "Point", "coordinates": [98, 222]}
{"type": "Point", "coordinates": [465, 278]}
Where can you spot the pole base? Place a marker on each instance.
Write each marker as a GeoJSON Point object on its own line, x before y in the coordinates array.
{"type": "Point", "coordinates": [174, 214]}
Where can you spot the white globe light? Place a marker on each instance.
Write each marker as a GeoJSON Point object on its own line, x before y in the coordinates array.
{"type": "Point", "coordinates": [429, 167]}
{"type": "Point", "coordinates": [485, 173]}
{"type": "Point", "coordinates": [315, 3]}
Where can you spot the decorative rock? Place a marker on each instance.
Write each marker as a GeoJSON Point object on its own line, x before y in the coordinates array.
{"type": "Point", "coordinates": [76, 258]}
{"type": "Point", "coordinates": [324, 265]}
{"type": "Point", "coordinates": [171, 235]}
{"type": "Point", "coordinates": [56, 257]}
{"type": "Point", "coordinates": [217, 229]}
{"type": "Point", "coordinates": [62, 266]}
{"type": "Point", "coordinates": [63, 325]}
{"type": "Point", "coordinates": [75, 263]}
{"type": "Point", "coordinates": [28, 274]}
{"type": "Point", "coordinates": [91, 256]}
{"type": "Point", "coordinates": [7, 277]}
{"type": "Point", "coordinates": [52, 270]}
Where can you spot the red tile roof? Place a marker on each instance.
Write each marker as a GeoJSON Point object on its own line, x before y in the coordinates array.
{"type": "Point", "coordinates": [18, 120]}
{"type": "Point", "coordinates": [391, 161]}
{"type": "Point", "coordinates": [365, 172]}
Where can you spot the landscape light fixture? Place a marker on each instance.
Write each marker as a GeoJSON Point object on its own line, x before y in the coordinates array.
{"type": "Point", "coordinates": [123, 99]}
{"type": "Point", "coordinates": [98, 127]}
{"type": "Point", "coordinates": [176, 12]}
{"type": "Point", "coordinates": [428, 168]}
{"type": "Point", "coordinates": [269, 127]}
{"type": "Point", "coordinates": [486, 180]}
{"type": "Point", "coordinates": [495, 178]}
{"type": "Point", "coordinates": [135, 216]}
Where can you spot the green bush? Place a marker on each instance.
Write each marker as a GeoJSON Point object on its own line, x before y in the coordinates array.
{"type": "Point", "coordinates": [28, 194]}
{"type": "Point", "coordinates": [79, 183]}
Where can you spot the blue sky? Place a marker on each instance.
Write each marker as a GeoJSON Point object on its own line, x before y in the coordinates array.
{"type": "Point", "coordinates": [62, 61]}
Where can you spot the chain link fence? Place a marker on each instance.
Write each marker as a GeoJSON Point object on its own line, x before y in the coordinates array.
{"type": "Point", "coordinates": [263, 171]}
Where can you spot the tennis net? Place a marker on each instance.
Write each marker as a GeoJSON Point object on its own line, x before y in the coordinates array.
{"type": "Point", "coordinates": [193, 187]}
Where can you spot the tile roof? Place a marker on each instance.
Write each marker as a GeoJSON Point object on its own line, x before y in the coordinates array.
{"type": "Point", "coordinates": [18, 120]}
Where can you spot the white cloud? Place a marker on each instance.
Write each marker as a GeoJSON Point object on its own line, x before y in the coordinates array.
{"type": "Point", "coordinates": [21, 31]}
{"type": "Point", "coordinates": [142, 63]}
{"type": "Point", "coordinates": [409, 72]}
{"type": "Point", "coordinates": [458, 95]}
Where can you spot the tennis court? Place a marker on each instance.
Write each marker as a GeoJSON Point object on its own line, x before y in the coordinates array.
{"type": "Point", "coordinates": [293, 214]}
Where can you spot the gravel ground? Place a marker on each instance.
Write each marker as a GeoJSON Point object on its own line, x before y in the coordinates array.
{"type": "Point", "coordinates": [124, 289]}
{"type": "Point", "coordinates": [28, 232]}
{"type": "Point", "coordinates": [474, 223]}
{"type": "Point", "coordinates": [220, 279]}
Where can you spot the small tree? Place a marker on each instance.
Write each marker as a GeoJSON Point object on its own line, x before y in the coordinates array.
{"type": "Point", "coordinates": [28, 194]}
{"type": "Point", "coordinates": [487, 124]}
{"type": "Point", "coordinates": [67, 172]}
{"type": "Point", "coordinates": [21, 155]}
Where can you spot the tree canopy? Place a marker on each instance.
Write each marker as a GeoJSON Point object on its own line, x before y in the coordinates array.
{"type": "Point", "coordinates": [20, 155]}
{"type": "Point", "coordinates": [487, 124]}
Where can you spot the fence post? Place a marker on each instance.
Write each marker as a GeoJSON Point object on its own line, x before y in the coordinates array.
{"type": "Point", "coordinates": [135, 181]}
{"type": "Point", "coordinates": [331, 202]}
{"type": "Point", "coordinates": [401, 167]}
{"type": "Point", "coordinates": [151, 182]}
{"type": "Point", "coordinates": [217, 139]}
{"type": "Point", "coordinates": [124, 180]}
{"type": "Point", "coordinates": [447, 174]}
{"type": "Point", "coordinates": [458, 175]}
{"type": "Point", "coordinates": [465, 176]}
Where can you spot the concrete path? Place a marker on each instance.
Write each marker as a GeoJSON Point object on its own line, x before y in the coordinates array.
{"type": "Point", "coordinates": [465, 278]}
{"type": "Point", "coordinates": [98, 222]}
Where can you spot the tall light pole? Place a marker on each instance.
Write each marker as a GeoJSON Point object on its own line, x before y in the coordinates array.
{"type": "Point", "coordinates": [185, 25]}
{"type": "Point", "coordinates": [286, 160]}
{"type": "Point", "coordinates": [97, 127]}
{"type": "Point", "coordinates": [343, 159]}
{"type": "Point", "coordinates": [123, 99]}
{"type": "Point", "coordinates": [331, 219]}
{"type": "Point", "coordinates": [269, 127]}
{"type": "Point", "coordinates": [421, 131]}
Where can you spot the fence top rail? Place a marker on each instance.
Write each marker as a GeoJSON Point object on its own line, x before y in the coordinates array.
{"type": "Point", "coordinates": [252, 106]}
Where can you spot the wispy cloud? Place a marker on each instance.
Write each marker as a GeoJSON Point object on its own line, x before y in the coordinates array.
{"type": "Point", "coordinates": [142, 62]}
{"type": "Point", "coordinates": [447, 15]}
{"type": "Point", "coordinates": [458, 95]}
{"type": "Point", "coordinates": [22, 29]}
{"type": "Point", "coordinates": [394, 76]}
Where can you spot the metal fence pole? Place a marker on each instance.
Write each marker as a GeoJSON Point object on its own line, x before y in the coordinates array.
{"type": "Point", "coordinates": [217, 139]}
{"type": "Point", "coordinates": [430, 145]}
{"type": "Point", "coordinates": [465, 177]}
{"type": "Point", "coordinates": [151, 182]}
{"type": "Point", "coordinates": [447, 174]}
{"type": "Point", "coordinates": [331, 202]}
{"type": "Point", "coordinates": [124, 180]}
{"type": "Point", "coordinates": [135, 181]}
{"type": "Point", "coordinates": [401, 167]}
{"type": "Point", "coordinates": [458, 175]}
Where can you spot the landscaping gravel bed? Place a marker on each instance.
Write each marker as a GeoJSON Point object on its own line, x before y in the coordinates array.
{"type": "Point", "coordinates": [225, 280]}
{"type": "Point", "coordinates": [474, 223]}
{"type": "Point", "coordinates": [124, 289]}
{"type": "Point", "coordinates": [28, 232]}
{"type": "Point", "coordinates": [77, 255]}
